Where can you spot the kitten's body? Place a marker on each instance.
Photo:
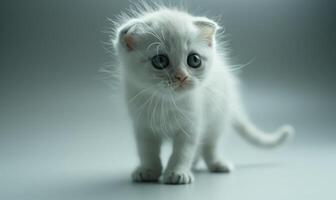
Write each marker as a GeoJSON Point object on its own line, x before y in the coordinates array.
{"type": "Point", "coordinates": [193, 112]}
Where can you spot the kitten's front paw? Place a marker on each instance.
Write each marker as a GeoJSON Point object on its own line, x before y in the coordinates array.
{"type": "Point", "coordinates": [178, 177]}
{"type": "Point", "coordinates": [142, 174]}
{"type": "Point", "coordinates": [221, 167]}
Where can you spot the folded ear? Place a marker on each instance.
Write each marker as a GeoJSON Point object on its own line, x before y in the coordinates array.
{"type": "Point", "coordinates": [207, 28]}
{"type": "Point", "coordinates": [131, 34]}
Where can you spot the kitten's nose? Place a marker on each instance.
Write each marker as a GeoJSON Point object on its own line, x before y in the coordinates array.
{"type": "Point", "coordinates": [181, 77]}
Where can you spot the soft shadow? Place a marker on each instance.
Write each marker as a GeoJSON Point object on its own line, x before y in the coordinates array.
{"type": "Point", "coordinates": [261, 166]}
{"type": "Point", "coordinates": [120, 186]}
{"type": "Point", "coordinates": [242, 166]}
{"type": "Point", "coordinates": [113, 187]}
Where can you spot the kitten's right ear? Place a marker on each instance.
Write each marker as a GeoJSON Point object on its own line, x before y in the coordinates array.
{"type": "Point", "coordinates": [207, 28]}
{"type": "Point", "coordinates": [130, 35]}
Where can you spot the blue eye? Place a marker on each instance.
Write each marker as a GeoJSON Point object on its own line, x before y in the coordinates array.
{"type": "Point", "coordinates": [160, 61]}
{"type": "Point", "coordinates": [194, 60]}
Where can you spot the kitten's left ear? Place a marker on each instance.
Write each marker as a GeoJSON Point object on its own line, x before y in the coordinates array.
{"type": "Point", "coordinates": [131, 34]}
{"type": "Point", "coordinates": [207, 28]}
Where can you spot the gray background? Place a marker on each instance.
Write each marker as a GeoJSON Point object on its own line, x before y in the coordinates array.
{"type": "Point", "coordinates": [64, 134]}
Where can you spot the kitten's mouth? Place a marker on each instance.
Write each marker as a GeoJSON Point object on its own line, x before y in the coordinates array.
{"type": "Point", "coordinates": [181, 87]}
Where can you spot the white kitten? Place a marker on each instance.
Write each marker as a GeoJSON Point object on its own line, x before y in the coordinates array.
{"type": "Point", "coordinates": [178, 85]}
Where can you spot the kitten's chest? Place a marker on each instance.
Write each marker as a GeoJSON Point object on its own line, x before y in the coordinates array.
{"type": "Point", "coordinates": [217, 96]}
{"type": "Point", "coordinates": [162, 115]}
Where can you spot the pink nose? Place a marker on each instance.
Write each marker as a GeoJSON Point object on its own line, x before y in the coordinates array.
{"type": "Point", "coordinates": [181, 77]}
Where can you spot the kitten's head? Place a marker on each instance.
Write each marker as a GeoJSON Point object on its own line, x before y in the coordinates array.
{"type": "Point", "coordinates": [167, 50]}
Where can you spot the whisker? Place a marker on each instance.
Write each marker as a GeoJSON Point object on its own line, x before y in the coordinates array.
{"type": "Point", "coordinates": [238, 67]}
{"type": "Point", "coordinates": [139, 93]}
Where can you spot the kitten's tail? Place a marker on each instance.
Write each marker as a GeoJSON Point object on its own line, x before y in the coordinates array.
{"type": "Point", "coordinates": [251, 133]}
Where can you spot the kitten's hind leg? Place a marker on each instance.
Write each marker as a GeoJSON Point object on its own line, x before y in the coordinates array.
{"type": "Point", "coordinates": [149, 153]}
{"type": "Point", "coordinates": [213, 158]}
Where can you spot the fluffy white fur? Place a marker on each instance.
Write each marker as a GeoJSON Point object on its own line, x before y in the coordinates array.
{"type": "Point", "coordinates": [195, 112]}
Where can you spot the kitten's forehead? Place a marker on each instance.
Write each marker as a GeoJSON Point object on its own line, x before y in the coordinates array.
{"type": "Point", "coordinates": [174, 29]}
{"type": "Point", "coordinates": [172, 19]}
